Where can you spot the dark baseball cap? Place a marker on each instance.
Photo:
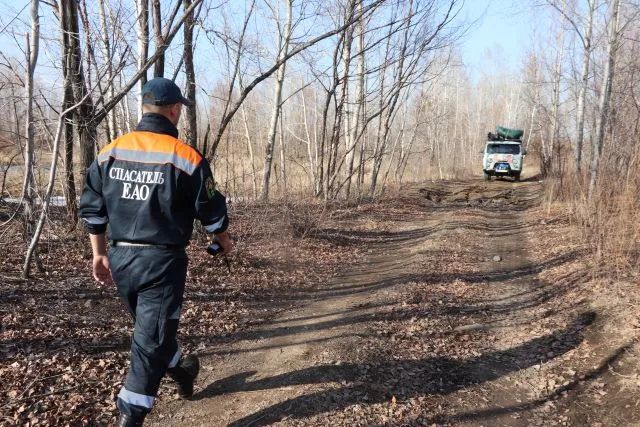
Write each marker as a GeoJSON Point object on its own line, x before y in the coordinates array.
{"type": "Point", "coordinates": [161, 91]}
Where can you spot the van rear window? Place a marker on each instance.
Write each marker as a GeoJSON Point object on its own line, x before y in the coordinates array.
{"type": "Point", "coordinates": [503, 149]}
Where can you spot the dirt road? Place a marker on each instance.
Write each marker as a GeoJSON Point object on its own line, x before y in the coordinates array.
{"type": "Point", "coordinates": [467, 309]}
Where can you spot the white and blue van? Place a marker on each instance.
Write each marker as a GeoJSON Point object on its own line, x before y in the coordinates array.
{"type": "Point", "coordinates": [503, 158]}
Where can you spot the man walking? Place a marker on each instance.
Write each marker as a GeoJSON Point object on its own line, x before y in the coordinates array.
{"type": "Point", "coordinates": [148, 187]}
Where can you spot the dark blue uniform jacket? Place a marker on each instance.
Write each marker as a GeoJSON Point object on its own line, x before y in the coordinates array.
{"type": "Point", "coordinates": [148, 187]}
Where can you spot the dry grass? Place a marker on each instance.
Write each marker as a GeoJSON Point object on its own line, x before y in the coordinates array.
{"type": "Point", "coordinates": [609, 222]}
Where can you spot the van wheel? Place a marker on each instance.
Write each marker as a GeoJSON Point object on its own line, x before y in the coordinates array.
{"type": "Point", "coordinates": [516, 177]}
{"type": "Point", "coordinates": [487, 177]}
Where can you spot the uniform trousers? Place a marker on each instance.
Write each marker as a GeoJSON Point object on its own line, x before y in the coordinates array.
{"type": "Point", "coordinates": [150, 281]}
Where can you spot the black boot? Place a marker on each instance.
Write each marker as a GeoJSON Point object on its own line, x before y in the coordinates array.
{"type": "Point", "coordinates": [130, 420]}
{"type": "Point", "coordinates": [185, 375]}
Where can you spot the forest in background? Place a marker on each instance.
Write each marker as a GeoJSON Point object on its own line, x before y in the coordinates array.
{"type": "Point", "coordinates": [327, 100]}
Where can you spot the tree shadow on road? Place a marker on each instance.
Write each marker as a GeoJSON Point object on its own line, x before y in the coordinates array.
{"type": "Point", "coordinates": [530, 298]}
{"type": "Point", "coordinates": [376, 382]}
{"type": "Point", "coordinates": [525, 406]}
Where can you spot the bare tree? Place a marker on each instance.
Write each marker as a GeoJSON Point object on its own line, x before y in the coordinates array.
{"type": "Point", "coordinates": [340, 107]}
{"type": "Point", "coordinates": [28, 187]}
{"type": "Point", "coordinates": [585, 36]}
{"type": "Point", "coordinates": [231, 110]}
{"type": "Point", "coordinates": [283, 48]}
{"type": "Point", "coordinates": [67, 101]}
{"type": "Point", "coordinates": [586, 56]}
{"type": "Point", "coordinates": [191, 136]}
{"type": "Point", "coordinates": [113, 126]}
{"type": "Point", "coordinates": [142, 29]}
{"type": "Point", "coordinates": [605, 95]}
{"type": "Point", "coordinates": [156, 14]}
{"type": "Point", "coordinates": [354, 115]}
{"type": "Point", "coordinates": [33, 244]}
{"type": "Point", "coordinates": [551, 147]}
{"type": "Point", "coordinates": [83, 115]}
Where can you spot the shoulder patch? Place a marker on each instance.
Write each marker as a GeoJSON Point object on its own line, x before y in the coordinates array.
{"type": "Point", "coordinates": [210, 185]}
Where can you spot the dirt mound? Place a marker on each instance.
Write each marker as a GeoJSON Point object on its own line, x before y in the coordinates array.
{"type": "Point", "coordinates": [499, 195]}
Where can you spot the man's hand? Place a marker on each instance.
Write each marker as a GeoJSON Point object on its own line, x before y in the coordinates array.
{"type": "Point", "coordinates": [101, 270]}
{"type": "Point", "coordinates": [225, 241]}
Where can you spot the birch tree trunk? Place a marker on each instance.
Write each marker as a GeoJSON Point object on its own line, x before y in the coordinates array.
{"type": "Point", "coordinates": [232, 108]}
{"type": "Point", "coordinates": [400, 77]}
{"type": "Point", "coordinates": [283, 165]}
{"type": "Point", "coordinates": [28, 186]}
{"type": "Point", "coordinates": [341, 109]}
{"type": "Point", "coordinates": [112, 120]}
{"type": "Point", "coordinates": [605, 96]}
{"type": "Point", "coordinates": [323, 176]}
{"type": "Point", "coordinates": [247, 134]}
{"type": "Point", "coordinates": [71, 192]}
{"type": "Point", "coordinates": [311, 153]}
{"type": "Point", "coordinates": [549, 149]}
{"type": "Point", "coordinates": [355, 122]}
{"type": "Point", "coordinates": [586, 57]}
{"type": "Point", "coordinates": [273, 123]}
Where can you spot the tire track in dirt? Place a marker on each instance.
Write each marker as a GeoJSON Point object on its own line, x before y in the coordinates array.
{"type": "Point", "coordinates": [315, 334]}
{"type": "Point", "coordinates": [308, 362]}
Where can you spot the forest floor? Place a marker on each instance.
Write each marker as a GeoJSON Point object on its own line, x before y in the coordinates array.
{"type": "Point", "coordinates": [452, 303]}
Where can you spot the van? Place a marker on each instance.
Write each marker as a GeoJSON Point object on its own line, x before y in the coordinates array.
{"type": "Point", "coordinates": [503, 158]}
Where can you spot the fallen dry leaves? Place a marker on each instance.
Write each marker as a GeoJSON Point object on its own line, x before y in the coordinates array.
{"type": "Point", "coordinates": [435, 348]}
{"type": "Point", "coordinates": [64, 340]}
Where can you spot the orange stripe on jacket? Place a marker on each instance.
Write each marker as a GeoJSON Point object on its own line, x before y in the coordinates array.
{"type": "Point", "coordinates": [155, 142]}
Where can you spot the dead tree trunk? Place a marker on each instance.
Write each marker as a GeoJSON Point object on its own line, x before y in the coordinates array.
{"type": "Point", "coordinates": [245, 121]}
{"type": "Point", "coordinates": [323, 176]}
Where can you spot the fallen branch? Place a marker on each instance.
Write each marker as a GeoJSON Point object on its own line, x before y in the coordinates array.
{"type": "Point", "coordinates": [13, 279]}
{"type": "Point", "coordinates": [37, 396]}
{"type": "Point", "coordinates": [33, 382]}
{"type": "Point", "coordinates": [47, 198]}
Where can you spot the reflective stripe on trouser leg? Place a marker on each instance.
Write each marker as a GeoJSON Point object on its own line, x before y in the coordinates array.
{"type": "Point", "coordinates": [176, 358]}
{"type": "Point", "coordinates": [137, 399]}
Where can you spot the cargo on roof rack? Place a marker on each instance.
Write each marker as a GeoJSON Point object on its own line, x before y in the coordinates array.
{"type": "Point", "coordinates": [508, 133]}
{"type": "Point", "coordinates": [495, 137]}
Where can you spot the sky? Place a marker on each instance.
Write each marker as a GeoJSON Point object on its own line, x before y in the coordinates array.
{"type": "Point", "coordinates": [505, 26]}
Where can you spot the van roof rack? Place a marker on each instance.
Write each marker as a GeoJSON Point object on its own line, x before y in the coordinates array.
{"type": "Point", "coordinates": [495, 137]}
